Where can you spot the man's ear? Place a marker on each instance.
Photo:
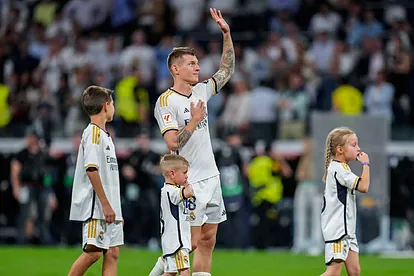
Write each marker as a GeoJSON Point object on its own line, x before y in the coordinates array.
{"type": "Point", "coordinates": [174, 69]}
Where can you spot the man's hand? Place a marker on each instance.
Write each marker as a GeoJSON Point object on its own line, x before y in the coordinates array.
{"type": "Point", "coordinates": [198, 112]}
{"type": "Point", "coordinates": [216, 15]}
{"type": "Point", "coordinates": [108, 213]}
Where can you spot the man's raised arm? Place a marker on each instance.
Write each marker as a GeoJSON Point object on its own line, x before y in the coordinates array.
{"type": "Point", "coordinates": [226, 70]}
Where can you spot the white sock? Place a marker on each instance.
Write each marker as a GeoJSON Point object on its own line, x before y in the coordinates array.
{"type": "Point", "coordinates": [201, 274]}
{"type": "Point", "coordinates": [158, 268]}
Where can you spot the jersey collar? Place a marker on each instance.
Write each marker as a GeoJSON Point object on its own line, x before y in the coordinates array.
{"type": "Point", "coordinates": [189, 96]}
{"type": "Point", "coordinates": [107, 133]}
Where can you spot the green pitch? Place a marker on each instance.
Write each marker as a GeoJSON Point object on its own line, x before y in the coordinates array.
{"type": "Point", "coordinates": [57, 261]}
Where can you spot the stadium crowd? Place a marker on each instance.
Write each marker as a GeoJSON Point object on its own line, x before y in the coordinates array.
{"type": "Point", "coordinates": [292, 57]}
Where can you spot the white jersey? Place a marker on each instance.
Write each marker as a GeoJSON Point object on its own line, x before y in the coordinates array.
{"type": "Point", "coordinates": [172, 112]}
{"type": "Point", "coordinates": [339, 208]}
{"type": "Point", "coordinates": [96, 150]}
{"type": "Point", "coordinates": [175, 215]}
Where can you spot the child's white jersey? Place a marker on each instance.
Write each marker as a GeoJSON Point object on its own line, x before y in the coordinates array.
{"type": "Point", "coordinates": [175, 216]}
{"type": "Point", "coordinates": [339, 208]}
{"type": "Point", "coordinates": [173, 112]}
{"type": "Point", "coordinates": [96, 150]}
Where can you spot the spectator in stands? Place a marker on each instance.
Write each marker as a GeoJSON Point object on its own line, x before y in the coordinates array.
{"type": "Point", "coordinates": [236, 111]}
{"type": "Point", "coordinates": [347, 99]}
{"type": "Point", "coordinates": [379, 96]}
{"type": "Point", "coordinates": [294, 108]}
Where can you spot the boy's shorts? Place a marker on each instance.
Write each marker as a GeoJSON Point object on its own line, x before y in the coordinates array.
{"type": "Point", "coordinates": [179, 261]}
{"type": "Point", "coordinates": [101, 234]}
{"type": "Point", "coordinates": [339, 250]}
{"type": "Point", "coordinates": [209, 202]}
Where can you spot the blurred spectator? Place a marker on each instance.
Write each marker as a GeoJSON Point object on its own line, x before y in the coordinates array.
{"type": "Point", "coordinates": [132, 104]}
{"type": "Point", "coordinates": [236, 110]}
{"type": "Point", "coordinates": [265, 176]}
{"type": "Point", "coordinates": [378, 97]}
{"type": "Point", "coordinates": [141, 194]}
{"type": "Point", "coordinates": [44, 12]}
{"type": "Point", "coordinates": [371, 27]}
{"type": "Point", "coordinates": [139, 52]}
{"type": "Point", "coordinates": [68, 230]}
{"type": "Point", "coordinates": [307, 205]}
{"type": "Point", "coordinates": [294, 108]}
{"type": "Point", "coordinates": [232, 178]}
{"type": "Point", "coordinates": [347, 100]}
{"type": "Point", "coordinates": [5, 110]}
{"type": "Point", "coordinates": [325, 20]}
{"type": "Point", "coordinates": [263, 102]}
{"type": "Point", "coordinates": [59, 26]}
{"type": "Point", "coordinates": [322, 50]}
{"type": "Point", "coordinates": [30, 188]}
{"type": "Point", "coordinates": [87, 14]}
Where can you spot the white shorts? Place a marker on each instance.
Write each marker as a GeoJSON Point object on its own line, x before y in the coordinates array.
{"type": "Point", "coordinates": [179, 261]}
{"type": "Point", "coordinates": [101, 234]}
{"type": "Point", "coordinates": [339, 250]}
{"type": "Point", "coordinates": [209, 202]}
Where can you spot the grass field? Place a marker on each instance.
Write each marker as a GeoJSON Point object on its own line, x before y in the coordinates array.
{"type": "Point", "coordinates": [57, 261]}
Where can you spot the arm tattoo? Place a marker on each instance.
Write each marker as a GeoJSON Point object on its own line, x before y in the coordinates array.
{"type": "Point", "coordinates": [183, 136]}
{"type": "Point", "coordinates": [226, 70]}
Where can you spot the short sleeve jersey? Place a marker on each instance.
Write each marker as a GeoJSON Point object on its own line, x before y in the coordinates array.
{"type": "Point", "coordinates": [339, 208]}
{"type": "Point", "coordinates": [173, 112]}
{"type": "Point", "coordinates": [96, 150]}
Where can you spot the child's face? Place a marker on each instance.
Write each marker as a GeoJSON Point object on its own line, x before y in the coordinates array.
{"type": "Point", "coordinates": [110, 110]}
{"type": "Point", "coordinates": [180, 176]}
{"type": "Point", "coordinates": [351, 148]}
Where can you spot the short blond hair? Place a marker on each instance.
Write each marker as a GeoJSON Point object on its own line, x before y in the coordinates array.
{"type": "Point", "coordinates": [336, 138]}
{"type": "Point", "coordinates": [177, 53]}
{"type": "Point", "coordinates": [172, 162]}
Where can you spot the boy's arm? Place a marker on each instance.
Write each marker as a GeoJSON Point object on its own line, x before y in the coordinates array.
{"type": "Point", "coordinates": [96, 182]}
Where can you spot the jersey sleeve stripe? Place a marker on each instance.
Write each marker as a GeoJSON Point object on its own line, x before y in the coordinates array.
{"type": "Point", "coordinates": [214, 84]}
{"type": "Point", "coordinates": [91, 166]}
{"type": "Point", "coordinates": [96, 133]}
{"type": "Point", "coordinates": [344, 166]}
{"type": "Point", "coordinates": [168, 129]}
{"type": "Point", "coordinates": [89, 229]}
{"type": "Point", "coordinates": [164, 98]}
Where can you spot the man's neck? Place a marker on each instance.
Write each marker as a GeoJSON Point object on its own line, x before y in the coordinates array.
{"type": "Point", "coordinates": [182, 87]}
{"type": "Point", "coordinates": [98, 120]}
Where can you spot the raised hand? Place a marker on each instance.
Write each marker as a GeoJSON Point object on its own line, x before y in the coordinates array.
{"type": "Point", "coordinates": [216, 15]}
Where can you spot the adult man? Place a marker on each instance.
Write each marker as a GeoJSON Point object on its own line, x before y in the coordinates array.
{"type": "Point", "coordinates": [182, 117]}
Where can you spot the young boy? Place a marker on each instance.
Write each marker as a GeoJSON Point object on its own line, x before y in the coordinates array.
{"type": "Point", "coordinates": [177, 209]}
{"type": "Point", "coordinates": [96, 197]}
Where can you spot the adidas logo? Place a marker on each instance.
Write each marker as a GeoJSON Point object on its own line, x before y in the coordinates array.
{"type": "Point", "coordinates": [107, 148]}
{"type": "Point", "coordinates": [186, 110]}
{"type": "Point", "coordinates": [223, 213]}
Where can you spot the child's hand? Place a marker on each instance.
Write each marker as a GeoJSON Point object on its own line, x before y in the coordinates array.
{"type": "Point", "coordinates": [363, 157]}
